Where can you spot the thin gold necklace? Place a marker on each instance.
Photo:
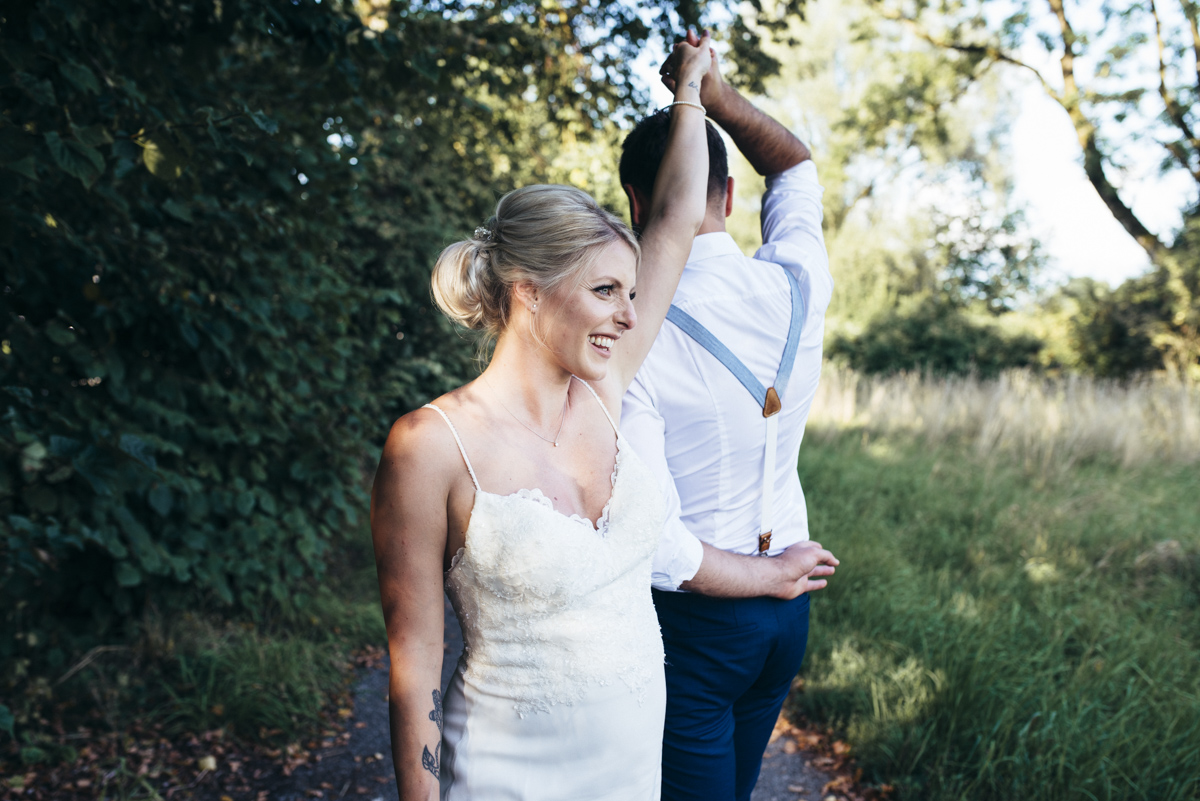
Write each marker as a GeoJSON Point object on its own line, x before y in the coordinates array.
{"type": "Point", "coordinates": [561, 421]}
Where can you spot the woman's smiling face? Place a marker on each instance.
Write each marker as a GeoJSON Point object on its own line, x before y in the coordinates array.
{"type": "Point", "coordinates": [581, 323]}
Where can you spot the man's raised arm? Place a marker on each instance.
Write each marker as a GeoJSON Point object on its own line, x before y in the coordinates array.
{"type": "Point", "coordinates": [768, 146]}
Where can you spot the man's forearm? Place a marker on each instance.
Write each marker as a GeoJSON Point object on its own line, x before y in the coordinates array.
{"type": "Point", "coordinates": [767, 145]}
{"type": "Point", "coordinates": [799, 569]}
{"type": "Point", "coordinates": [730, 575]}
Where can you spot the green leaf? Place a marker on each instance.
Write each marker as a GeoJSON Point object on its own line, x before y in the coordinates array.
{"type": "Point", "coordinates": [245, 503]}
{"type": "Point", "coordinates": [59, 334]}
{"type": "Point", "coordinates": [32, 457]}
{"type": "Point", "coordinates": [266, 502]}
{"type": "Point", "coordinates": [190, 335]}
{"type": "Point", "coordinates": [42, 91]}
{"type": "Point", "coordinates": [264, 122]}
{"type": "Point", "coordinates": [127, 575]}
{"type": "Point", "coordinates": [177, 210]}
{"type": "Point", "coordinates": [160, 499]}
{"type": "Point", "coordinates": [65, 446]}
{"type": "Point", "coordinates": [161, 157]}
{"type": "Point", "coordinates": [89, 464]}
{"type": "Point", "coordinates": [6, 720]}
{"type": "Point", "coordinates": [143, 544]}
{"type": "Point", "coordinates": [26, 166]}
{"type": "Point", "coordinates": [137, 447]}
{"type": "Point", "coordinates": [75, 158]}
{"type": "Point", "coordinates": [81, 76]}
{"type": "Point", "coordinates": [92, 135]}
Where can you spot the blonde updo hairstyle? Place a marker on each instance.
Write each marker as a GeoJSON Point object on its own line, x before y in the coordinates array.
{"type": "Point", "coordinates": [544, 234]}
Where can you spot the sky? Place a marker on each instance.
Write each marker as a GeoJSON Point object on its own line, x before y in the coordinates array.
{"type": "Point", "coordinates": [1080, 235]}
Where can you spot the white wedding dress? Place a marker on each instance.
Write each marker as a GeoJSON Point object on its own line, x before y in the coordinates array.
{"type": "Point", "coordinates": [559, 695]}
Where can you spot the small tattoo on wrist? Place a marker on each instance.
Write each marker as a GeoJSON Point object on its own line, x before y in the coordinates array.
{"type": "Point", "coordinates": [693, 85]}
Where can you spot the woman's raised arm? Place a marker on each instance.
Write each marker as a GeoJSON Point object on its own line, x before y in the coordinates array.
{"type": "Point", "coordinates": [408, 526]}
{"type": "Point", "coordinates": [676, 213]}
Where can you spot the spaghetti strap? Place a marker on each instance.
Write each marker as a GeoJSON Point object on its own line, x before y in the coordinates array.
{"type": "Point", "coordinates": [603, 408]}
{"type": "Point", "coordinates": [461, 449]}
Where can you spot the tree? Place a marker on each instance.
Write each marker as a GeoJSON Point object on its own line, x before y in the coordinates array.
{"type": "Point", "coordinates": [1129, 73]}
{"type": "Point", "coordinates": [919, 221]}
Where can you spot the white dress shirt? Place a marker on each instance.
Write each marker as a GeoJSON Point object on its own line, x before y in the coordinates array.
{"type": "Point", "coordinates": [694, 424]}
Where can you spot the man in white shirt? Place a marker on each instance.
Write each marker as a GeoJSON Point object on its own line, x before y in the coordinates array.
{"type": "Point", "coordinates": [734, 625]}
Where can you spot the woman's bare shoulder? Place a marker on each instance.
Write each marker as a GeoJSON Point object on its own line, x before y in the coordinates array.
{"type": "Point", "coordinates": [421, 447]}
{"type": "Point", "coordinates": [423, 441]}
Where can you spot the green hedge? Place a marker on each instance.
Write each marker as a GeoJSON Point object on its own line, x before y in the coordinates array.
{"type": "Point", "coordinates": [197, 343]}
{"type": "Point", "coordinates": [217, 221]}
{"type": "Point", "coordinates": [935, 336]}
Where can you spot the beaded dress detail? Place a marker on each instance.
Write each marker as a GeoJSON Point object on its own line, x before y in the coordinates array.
{"type": "Point", "coordinates": [562, 670]}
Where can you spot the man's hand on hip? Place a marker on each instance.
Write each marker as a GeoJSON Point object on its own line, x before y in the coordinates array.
{"type": "Point", "coordinates": [802, 569]}
{"type": "Point", "coordinates": [799, 569]}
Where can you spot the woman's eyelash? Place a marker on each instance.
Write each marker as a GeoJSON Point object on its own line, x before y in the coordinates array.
{"type": "Point", "coordinates": [605, 288]}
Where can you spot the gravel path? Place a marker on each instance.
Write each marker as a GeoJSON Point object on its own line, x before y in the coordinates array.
{"type": "Point", "coordinates": [362, 767]}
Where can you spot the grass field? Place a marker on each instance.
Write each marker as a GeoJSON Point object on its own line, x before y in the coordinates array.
{"type": "Point", "coordinates": [1012, 619]}
{"type": "Point", "coordinates": [1017, 614]}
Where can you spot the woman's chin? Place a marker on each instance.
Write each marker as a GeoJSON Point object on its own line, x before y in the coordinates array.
{"type": "Point", "coordinates": [590, 371]}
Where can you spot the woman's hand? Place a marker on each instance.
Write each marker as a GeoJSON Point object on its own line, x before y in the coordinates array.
{"type": "Point", "coordinates": [689, 62]}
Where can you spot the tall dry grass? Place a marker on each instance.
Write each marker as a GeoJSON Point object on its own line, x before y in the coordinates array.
{"type": "Point", "coordinates": [1046, 422]}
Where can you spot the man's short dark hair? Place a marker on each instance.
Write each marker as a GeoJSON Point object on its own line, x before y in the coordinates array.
{"type": "Point", "coordinates": [643, 150]}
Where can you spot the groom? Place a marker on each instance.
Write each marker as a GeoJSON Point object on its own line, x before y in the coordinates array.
{"type": "Point", "coordinates": [718, 411]}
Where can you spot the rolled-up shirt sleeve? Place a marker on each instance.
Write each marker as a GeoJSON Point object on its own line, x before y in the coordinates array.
{"type": "Point", "coordinates": [791, 229]}
{"type": "Point", "coordinates": [679, 551]}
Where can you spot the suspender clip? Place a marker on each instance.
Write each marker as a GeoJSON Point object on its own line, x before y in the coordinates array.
{"type": "Point", "coordinates": [764, 543]}
{"type": "Point", "coordinates": [772, 404]}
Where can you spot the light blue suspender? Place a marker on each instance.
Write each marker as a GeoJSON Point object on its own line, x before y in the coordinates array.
{"type": "Point", "coordinates": [769, 398]}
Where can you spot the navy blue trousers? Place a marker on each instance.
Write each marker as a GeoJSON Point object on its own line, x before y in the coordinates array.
{"type": "Point", "coordinates": [730, 663]}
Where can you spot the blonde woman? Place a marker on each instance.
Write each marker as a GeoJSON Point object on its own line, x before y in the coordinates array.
{"type": "Point", "coordinates": [518, 496]}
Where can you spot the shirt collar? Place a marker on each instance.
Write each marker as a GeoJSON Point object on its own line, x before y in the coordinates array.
{"type": "Point", "coordinates": [707, 246]}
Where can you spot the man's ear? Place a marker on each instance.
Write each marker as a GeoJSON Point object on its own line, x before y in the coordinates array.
{"type": "Point", "coordinates": [729, 196]}
{"type": "Point", "coordinates": [639, 205]}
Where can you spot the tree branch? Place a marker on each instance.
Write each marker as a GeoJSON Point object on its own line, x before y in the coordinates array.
{"type": "Point", "coordinates": [1175, 112]}
{"type": "Point", "coordinates": [1181, 155]}
{"type": "Point", "coordinates": [1093, 158]}
{"type": "Point", "coordinates": [986, 51]}
{"type": "Point", "coordinates": [839, 216]}
{"type": "Point", "coordinates": [1189, 11]}
{"type": "Point", "coordinates": [1070, 99]}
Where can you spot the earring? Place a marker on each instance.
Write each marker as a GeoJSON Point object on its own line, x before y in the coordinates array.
{"type": "Point", "coordinates": [534, 307]}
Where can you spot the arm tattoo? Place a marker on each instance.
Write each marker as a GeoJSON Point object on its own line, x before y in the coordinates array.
{"type": "Point", "coordinates": [693, 85]}
{"type": "Point", "coordinates": [432, 762]}
{"type": "Point", "coordinates": [436, 714]}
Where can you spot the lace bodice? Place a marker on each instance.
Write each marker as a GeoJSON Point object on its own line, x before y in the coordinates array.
{"type": "Point", "coordinates": [550, 605]}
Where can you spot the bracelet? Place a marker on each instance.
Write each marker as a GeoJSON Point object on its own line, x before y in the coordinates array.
{"type": "Point", "coordinates": [686, 103]}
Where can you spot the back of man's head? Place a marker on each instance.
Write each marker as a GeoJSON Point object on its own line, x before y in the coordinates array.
{"type": "Point", "coordinates": [643, 150]}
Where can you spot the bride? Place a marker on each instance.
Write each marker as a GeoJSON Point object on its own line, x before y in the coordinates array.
{"type": "Point", "coordinates": [518, 496]}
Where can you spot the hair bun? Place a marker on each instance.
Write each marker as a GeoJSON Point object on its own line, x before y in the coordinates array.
{"type": "Point", "coordinates": [462, 278]}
